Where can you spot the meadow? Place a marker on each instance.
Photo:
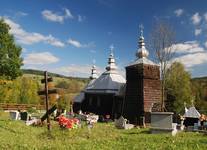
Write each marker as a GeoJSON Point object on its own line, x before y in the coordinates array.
{"type": "Point", "coordinates": [16, 135]}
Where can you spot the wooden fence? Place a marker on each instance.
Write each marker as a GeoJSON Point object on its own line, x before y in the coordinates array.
{"type": "Point", "coordinates": [11, 106]}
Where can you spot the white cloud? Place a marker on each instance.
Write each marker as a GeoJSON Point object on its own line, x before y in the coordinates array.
{"type": "Point", "coordinates": [40, 58]}
{"type": "Point", "coordinates": [205, 44]}
{"type": "Point", "coordinates": [78, 44]}
{"type": "Point", "coordinates": [187, 47]}
{"type": "Point", "coordinates": [20, 14]}
{"type": "Point", "coordinates": [93, 51]}
{"type": "Point", "coordinates": [77, 70]}
{"type": "Point", "coordinates": [25, 37]}
{"type": "Point", "coordinates": [74, 43]}
{"type": "Point", "coordinates": [196, 18]}
{"type": "Point", "coordinates": [191, 60]}
{"type": "Point", "coordinates": [205, 16]}
{"type": "Point", "coordinates": [190, 54]}
{"type": "Point", "coordinates": [198, 32]}
{"type": "Point", "coordinates": [55, 17]}
{"type": "Point", "coordinates": [178, 12]}
{"type": "Point", "coordinates": [68, 14]}
{"type": "Point", "coordinates": [81, 18]}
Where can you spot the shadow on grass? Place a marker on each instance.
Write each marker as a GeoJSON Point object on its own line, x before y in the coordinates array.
{"type": "Point", "coordinates": [47, 135]}
{"type": "Point", "coordinates": [146, 132]}
{"type": "Point", "coordinates": [137, 132]}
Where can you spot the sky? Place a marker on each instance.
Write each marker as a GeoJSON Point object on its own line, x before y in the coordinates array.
{"type": "Point", "coordinates": [69, 36]}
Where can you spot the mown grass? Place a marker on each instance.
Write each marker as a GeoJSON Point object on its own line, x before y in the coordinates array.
{"type": "Point", "coordinates": [16, 135]}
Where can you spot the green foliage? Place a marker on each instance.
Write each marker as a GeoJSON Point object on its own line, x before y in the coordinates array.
{"type": "Point", "coordinates": [21, 90]}
{"type": "Point", "coordinates": [178, 87]}
{"type": "Point", "coordinates": [63, 84]}
{"type": "Point", "coordinates": [199, 88]}
{"type": "Point", "coordinates": [10, 60]}
{"type": "Point", "coordinates": [16, 135]}
{"type": "Point", "coordinates": [24, 89]}
{"type": "Point", "coordinates": [32, 110]}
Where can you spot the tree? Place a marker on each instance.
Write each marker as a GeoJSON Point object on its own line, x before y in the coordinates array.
{"type": "Point", "coordinates": [178, 87]}
{"type": "Point", "coordinates": [10, 60]}
{"type": "Point", "coordinates": [162, 40]}
{"type": "Point", "coordinates": [199, 91]}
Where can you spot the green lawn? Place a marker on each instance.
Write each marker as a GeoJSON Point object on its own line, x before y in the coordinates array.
{"type": "Point", "coordinates": [16, 135]}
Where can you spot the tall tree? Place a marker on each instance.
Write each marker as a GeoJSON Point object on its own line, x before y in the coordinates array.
{"type": "Point", "coordinates": [178, 87]}
{"type": "Point", "coordinates": [162, 40]}
{"type": "Point", "coordinates": [10, 60]}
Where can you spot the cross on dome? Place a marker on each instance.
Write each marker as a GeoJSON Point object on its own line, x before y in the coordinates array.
{"type": "Point", "coordinates": [111, 48]}
{"type": "Point", "coordinates": [111, 60]}
{"type": "Point", "coordinates": [142, 51]}
{"type": "Point", "coordinates": [141, 27]}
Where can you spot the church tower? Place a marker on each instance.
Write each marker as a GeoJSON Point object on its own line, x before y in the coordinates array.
{"type": "Point", "coordinates": [142, 86]}
{"type": "Point", "coordinates": [93, 73]}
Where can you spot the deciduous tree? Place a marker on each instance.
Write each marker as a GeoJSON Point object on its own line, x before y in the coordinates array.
{"type": "Point", "coordinates": [162, 40]}
{"type": "Point", "coordinates": [178, 87]}
{"type": "Point", "coordinates": [10, 60]}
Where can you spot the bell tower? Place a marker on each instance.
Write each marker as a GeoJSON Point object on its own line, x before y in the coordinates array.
{"type": "Point", "coordinates": [142, 86]}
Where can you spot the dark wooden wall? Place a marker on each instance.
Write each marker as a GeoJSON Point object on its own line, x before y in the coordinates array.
{"type": "Point", "coordinates": [102, 104]}
{"type": "Point", "coordinates": [142, 90]}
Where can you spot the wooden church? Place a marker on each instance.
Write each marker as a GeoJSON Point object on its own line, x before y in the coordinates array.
{"type": "Point", "coordinates": [133, 98]}
{"type": "Point", "coordinates": [103, 95]}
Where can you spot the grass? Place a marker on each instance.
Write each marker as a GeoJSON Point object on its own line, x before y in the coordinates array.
{"type": "Point", "coordinates": [16, 135]}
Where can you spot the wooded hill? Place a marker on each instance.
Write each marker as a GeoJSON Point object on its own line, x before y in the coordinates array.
{"type": "Point", "coordinates": [41, 73]}
{"type": "Point", "coordinates": [23, 90]}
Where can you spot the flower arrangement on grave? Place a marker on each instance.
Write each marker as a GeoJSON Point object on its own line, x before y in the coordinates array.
{"type": "Point", "coordinates": [68, 123]}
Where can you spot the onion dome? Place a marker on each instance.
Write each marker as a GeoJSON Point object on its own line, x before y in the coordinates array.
{"type": "Point", "coordinates": [111, 61]}
{"type": "Point", "coordinates": [93, 73]}
{"type": "Point", "coordinates": [142, 51]}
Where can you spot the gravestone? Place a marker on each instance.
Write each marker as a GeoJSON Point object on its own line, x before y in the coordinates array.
{"type": "Point", "coordinates": [14, 115]}
{"type": "Point", "coordinates": [162, 122]}
{"type": "Point", "coordinates": [24, 116]}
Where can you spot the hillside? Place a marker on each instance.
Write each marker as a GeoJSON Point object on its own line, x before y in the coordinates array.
{"type": "Point", "coordinates": [41, 73]}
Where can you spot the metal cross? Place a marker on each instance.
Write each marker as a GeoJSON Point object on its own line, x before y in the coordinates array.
{"type": "Point", "coordinates": [112, 48]}
{"type": "Point", "coordinates": [94, 61]}
{"type": "Point", "coordinates": [141, 27]}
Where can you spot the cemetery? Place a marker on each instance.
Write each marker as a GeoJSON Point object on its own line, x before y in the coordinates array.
{"type": "Point", "coordinates": [148, 92]}
{"type": "Point", "coordinates": [108, 110]}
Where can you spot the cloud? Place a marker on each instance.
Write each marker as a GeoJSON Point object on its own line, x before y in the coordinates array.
{"type": "Point", "coordinates": [93, 51]}
{"type": "Point", "coordinates": [40, 58]}
{"type": "Point", "coordinates": [198, 32]}
{"type": "Point", "coordinates": [81, 18]}
{"type": "Point", "coordinates": [68, 14]}
{"type": "Point", "coordinates": [187, 47]}
{"type": "Point", "coordinates": [196, 18]}
{"type": "Point", "coordinates": [21, 14]}
{"type": "Point", "coordinates": [77, 70]}
{"type": "Point", "coordinates": [77, 44]}
{"type": "Point", "coordinates": [191, 60]}
{"type": "Point", "coordinates": [74, 43]}
{"type": "Point", "coordinates": [190, 54]}
{"type": "Point", "coordinates": [178, 12]}
{"type": "Point", "coordinates": [55, 17]}
{"type": "Point", "coordinates": [205, 44]}
{"type": "Point", "coordinates": [28, 38]}
{"type": "Point", "coordinates": [205, 16]}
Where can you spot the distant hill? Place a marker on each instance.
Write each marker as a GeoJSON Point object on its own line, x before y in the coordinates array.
{"type": "Point", "coordinates": [41, 73]}
{"type": "Point", "coordinates": [200, 79]}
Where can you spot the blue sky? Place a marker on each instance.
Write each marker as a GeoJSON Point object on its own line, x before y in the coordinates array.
{"type": "Point", "coordinates": [66, 37]}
